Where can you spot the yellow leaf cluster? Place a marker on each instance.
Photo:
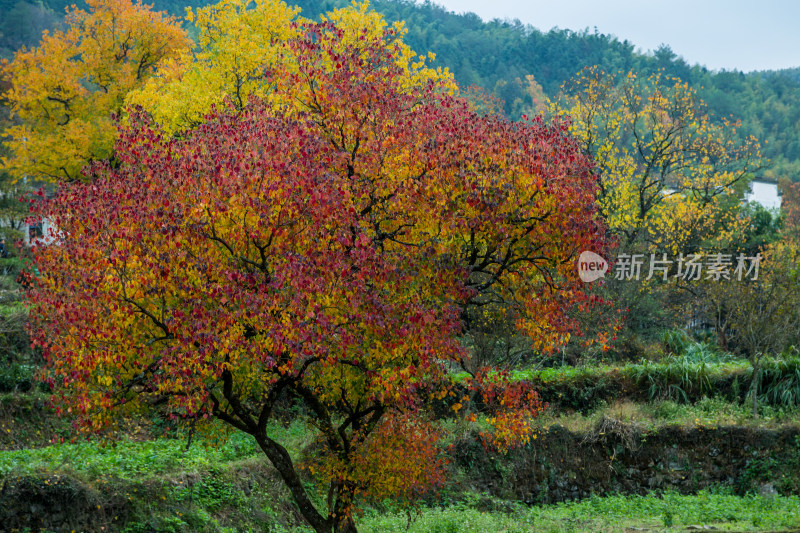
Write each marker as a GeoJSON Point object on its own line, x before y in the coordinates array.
{"type": "Point", "coordinates": [667, 170]}
{"type": "Point", "coordinates": [66, 90]}
{"type": "Point", "coordinates": [242, 42]}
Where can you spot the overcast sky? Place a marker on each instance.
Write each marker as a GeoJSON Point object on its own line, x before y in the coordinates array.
{"type": "Point", "coordinates": [731, 34]}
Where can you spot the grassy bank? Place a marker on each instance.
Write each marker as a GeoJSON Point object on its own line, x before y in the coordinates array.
{"type": "Point", "coordinates": [148, 480]}
{"type": "Point", "coordinates": [158, 485]}
{"type": "Point", "coordinates": [667, 512]}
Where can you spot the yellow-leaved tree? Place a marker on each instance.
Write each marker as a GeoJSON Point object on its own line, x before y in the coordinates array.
{"type": "Point", "coordinates": [66, 91]}
{"type": "Point", "coordinates": [243, 43]}
{"type": "Point", "coordinates": [668, 171]}
{"type": "Point", "coordinates": [671, 179]}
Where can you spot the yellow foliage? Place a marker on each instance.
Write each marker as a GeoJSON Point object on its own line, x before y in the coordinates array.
{"type": "Point", "coordinates": [67, 90]}
{"type": "Point", "coordinates": [242, 42]}
{"type": "Point", "coordinates": [668, 172]}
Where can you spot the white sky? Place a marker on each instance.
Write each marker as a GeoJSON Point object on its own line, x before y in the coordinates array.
{"type": "Point", "coordinates": [731, 34]}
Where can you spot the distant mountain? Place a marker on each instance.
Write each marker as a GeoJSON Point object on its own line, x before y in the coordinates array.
{"type": "Point", "coordinates": [518, 62]}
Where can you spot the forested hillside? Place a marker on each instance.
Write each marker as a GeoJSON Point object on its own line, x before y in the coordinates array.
{"type": "Point", "coordinates": [521, 64]}
{"type": "Point", "coordinates": [501, 55]}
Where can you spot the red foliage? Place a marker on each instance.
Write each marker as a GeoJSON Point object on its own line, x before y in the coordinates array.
{"type": "Point", "coordinates": [324, 255]}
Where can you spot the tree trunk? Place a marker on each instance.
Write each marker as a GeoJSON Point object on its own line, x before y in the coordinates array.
{"type": "Point", "coordinates": [754, 389]}
{"type": "Point", "coordinates": [722, 338]}
{"type": "Point", "coordinates": [282, 462]}
{"type": "Point", "coordinates": [343, 521]}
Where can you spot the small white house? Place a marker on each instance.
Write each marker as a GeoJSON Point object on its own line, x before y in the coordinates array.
{"type": "Point", "coordinates": [762, 190]}
{"type": "Point", "coordinates": [765, 192]}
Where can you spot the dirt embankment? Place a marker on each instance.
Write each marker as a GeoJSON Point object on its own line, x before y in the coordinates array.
{"type": "Point", "coordinates": [561, 465]}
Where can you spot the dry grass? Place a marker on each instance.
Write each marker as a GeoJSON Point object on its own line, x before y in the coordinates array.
{"type": "Point", "coordinates": [708, 412]}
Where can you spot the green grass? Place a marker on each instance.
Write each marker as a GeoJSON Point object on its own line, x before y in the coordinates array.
{"type": "Point", "coordinates": [670, 512]}
{"type": "Point", "coordinates": [10, 309]}
{"type": "Point", "coordinates": [135, 459]}
{"type": "Point", "coordinates": [447, 520]}
{"type": "Point", "coordinates": [668, 367]}
{"type": "Point", "coordinates": [222, 484]}
{"type": "Point", "coordinates": [203, 489]}
{"type": "Point", "coordinates": [700, 370]}
{"type": "Point", "coordinates": [126, 459]}
{"type": "Point", "coordinates": [562, 373]}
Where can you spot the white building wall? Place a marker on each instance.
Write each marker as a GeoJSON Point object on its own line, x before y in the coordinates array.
{"type": "Point", "coordinates": [765, 193]}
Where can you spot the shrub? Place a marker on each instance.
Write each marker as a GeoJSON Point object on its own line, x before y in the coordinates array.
{"type": "Point", "coordinates": [780, 379]}
{"type": "Point", "coordinates": [676, 340]}
{"type": "Point", "coordinates": [676, 378]}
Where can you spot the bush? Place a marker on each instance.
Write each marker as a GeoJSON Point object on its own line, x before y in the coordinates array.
{"type": "Point", "coordinates": [676, 378]}
{"type": "Point", "coordinates": [16, 377]}
{"type": "Point", "coordinates": [676, 340]}
{"type": "Point", "coordinates": [780, 379]}
{"type": "Point", "coordinates": [10, 267]}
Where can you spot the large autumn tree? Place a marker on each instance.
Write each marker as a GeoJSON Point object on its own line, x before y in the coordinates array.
{"type": "Point", "coordinates": [322, 246]}
{"type": "Point", "coordinates": [671, 178]}
{"type": "Point", "coordinates": [66, 91]}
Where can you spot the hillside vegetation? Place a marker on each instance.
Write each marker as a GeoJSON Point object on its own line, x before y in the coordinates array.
{"type": "Point", "coordinates": [259, 332]}
{"type": "Point", "coordinates": [521, 64]}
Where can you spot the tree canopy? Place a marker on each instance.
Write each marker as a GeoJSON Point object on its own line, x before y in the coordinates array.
{"type": "Point", "coordinates": [669, 174]}
{"type": "Point", "coordinates": [66, 91]}
{"type": "Point", "coordinates": [503, 57]}
{"type": "Point", "coordinates": [240, 41]}
{"type": "Point", "coordinates": [321, 242]}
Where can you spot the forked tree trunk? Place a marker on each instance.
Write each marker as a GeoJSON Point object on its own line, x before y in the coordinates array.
{"type": "Point", "coordinates": [279, 457]}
